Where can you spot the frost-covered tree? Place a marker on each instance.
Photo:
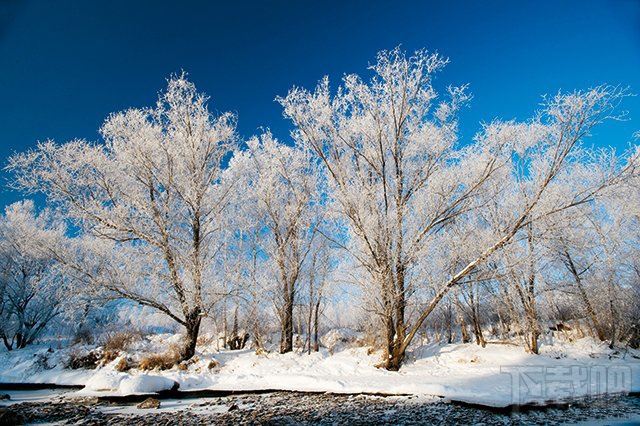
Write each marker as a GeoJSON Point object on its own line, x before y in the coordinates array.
{"type": "Point", "coordinates": [155, 189]}
{"type": "Point", "coordinates": [559, 243]}
{"type": "Point", "coordinates": [389, 150]}
{"type": "Point", "coordinates": [32, 289]}
{"type": "Point", "coordinates": [612, 230]}
{"type": "Point", "coordinates": [318, 277]}
{"type": "Point", "coordinates": [282, 189]}
{"type": "Point", "coordinates": [400, 178]}
{"type": "Point", "coordinates": [575, 249]}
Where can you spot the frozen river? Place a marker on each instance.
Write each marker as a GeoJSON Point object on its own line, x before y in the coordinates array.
{"type": "Point", "coordinates": [55, 406]}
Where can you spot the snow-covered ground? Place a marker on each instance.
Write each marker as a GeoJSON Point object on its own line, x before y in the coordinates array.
{"type": "Point", "coordinates": [498, 375]}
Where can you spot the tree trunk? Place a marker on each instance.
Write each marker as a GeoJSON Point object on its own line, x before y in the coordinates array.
{"type": "Point", "coordinates": [396, 357]}
{"type": "Point", "coordinates": [20, 341]}
{"type": "Point", "coordinates": [613, 323]}
{"type": "Point", "coordinates": [530, 306]}
{"type": "Point", "coordinates": [395, 349]}
{"type": "Point", "coordinates": [477, 331]}
{"type": "Point", "coordinates": [316, 323]}
{"type": "Point", "coordinates": [23, 342]}
{"type": "Point", "coordinates": [286, 330]}
{"type": "Point", "coordinates": [463, 324]}
{"type": "Point", "coordinates": [511, 310]}
{"type": "Point", "coordinates": [475, 308]}
{"type": "Point", "coordinates": [225, 325]}
{"type": "Point", "coordinates": [534, 341]}
{"type": "Point", "coordinates": [309, 327]}
{"type": "Point", "coordinates": [612, 306]}
{"type": "Point", "coordinates": [192, 326]}
{"type": "Point", "coordinates": [396, 328]}
{"type": "Point", "coordinates": [532, 323]}
{"type": "Point", "coordinates": [400, 305]}
{"type": "Point", "coordinates": [389, 333]}
{"type": "Point", "coordinates": [449, 321]}
{"type": "Point", "coordinates": [234, 329]}
{"type": "Point", "coordinates": [7, 344]}
{"type": "Point", "coordinates": [299, 331]}
{"type": "Point", "coordinates": [583, 295]}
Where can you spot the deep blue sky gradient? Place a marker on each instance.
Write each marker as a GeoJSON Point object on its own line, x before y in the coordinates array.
{"type": "Point", "coordinates": [65, 65]}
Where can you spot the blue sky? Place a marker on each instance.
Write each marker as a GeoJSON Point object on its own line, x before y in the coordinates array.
{"type": "Point", "coordinates": [65, 65]}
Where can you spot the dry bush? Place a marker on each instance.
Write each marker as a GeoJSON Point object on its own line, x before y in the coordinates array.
{"type": "Point", "coordinates": [213, 364]}
{"type": "Point", "coordinates": [205, 340]}
{"type": "Point", "coordinates": [122, 340]}
{"type": "Point", "coordinates": [88, 360]}
{"type": "Point", "coordinates": [369, 340]}
{"type": "Point", "coordinates": [163, 361]}
{"type": "Point", "coordinates": [108, 356]}
{"type": "Point", "coordinates": [123, 365]}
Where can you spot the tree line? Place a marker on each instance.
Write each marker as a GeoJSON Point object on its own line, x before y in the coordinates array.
{"type": "Point", "coordinates": [375, 190]}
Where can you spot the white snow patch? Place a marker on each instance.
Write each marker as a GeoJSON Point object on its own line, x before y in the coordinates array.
{"type": "Point", "coordinates": [143, 384]}
{"type": "Point", "coordinates": [464, 372]}
{"type": "Point", "coordinates": [105, 381]}
{"type": "Point", "coordinates": [114, 383]}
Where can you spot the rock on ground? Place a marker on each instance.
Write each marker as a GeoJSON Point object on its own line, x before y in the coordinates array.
{"type": "Point", "coordinates": [149, 403]}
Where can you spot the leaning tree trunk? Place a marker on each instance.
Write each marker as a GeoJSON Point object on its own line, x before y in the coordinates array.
{"type": "Point", "coordinates": [583, 295]}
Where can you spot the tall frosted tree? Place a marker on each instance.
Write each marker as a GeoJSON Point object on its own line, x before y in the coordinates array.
{"type": "Point", "coordinates": [282, 186]}
{"type": "Point", "coordinates": [155, 188]}
{"type": "Point", "coordinates": [401, 180]}
{"type": "Point", "coordinates": [388, 149]}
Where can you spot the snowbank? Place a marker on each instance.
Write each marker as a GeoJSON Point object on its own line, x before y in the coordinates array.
{"type": "Point", "coordinates": [498, 375]}
{"type": "Point", "coordinates": [110, 382]}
